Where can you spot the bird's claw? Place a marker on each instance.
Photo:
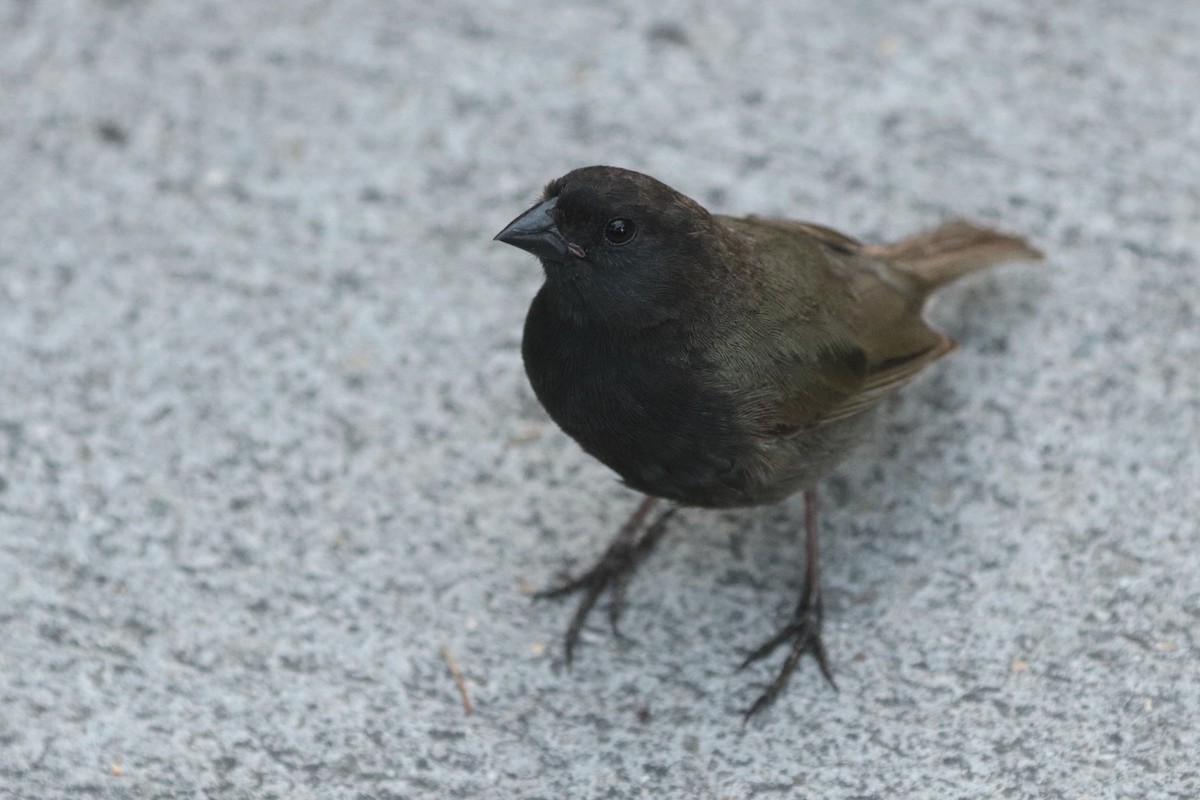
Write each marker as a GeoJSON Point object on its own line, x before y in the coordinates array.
{"type": "Point", "coordinates": [611, 573]}
{"type": "Point", "coordinates": [804, 632]}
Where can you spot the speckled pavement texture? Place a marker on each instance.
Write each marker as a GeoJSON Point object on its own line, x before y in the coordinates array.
{"type": "Point", "coordinates": [267, 451]}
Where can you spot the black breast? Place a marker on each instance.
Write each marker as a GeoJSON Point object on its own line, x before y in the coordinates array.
{"type": "Point", "coordinates": [656, 415]}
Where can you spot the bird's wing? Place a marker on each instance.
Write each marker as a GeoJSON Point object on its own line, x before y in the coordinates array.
{"type": "Point", "coordinates": [869, 335]}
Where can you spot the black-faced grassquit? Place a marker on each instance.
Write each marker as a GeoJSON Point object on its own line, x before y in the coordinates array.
{"type": "Point", "coordinates": [720, 362]}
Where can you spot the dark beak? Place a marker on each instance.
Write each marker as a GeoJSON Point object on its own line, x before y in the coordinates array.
{"type": "Point", "coordinates": [535, 232]}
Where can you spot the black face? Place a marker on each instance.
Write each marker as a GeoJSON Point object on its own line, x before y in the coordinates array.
{"type": "Point", "coordinates": [607, 208]}
{"type": "Point", "coordinates": [617, 246]}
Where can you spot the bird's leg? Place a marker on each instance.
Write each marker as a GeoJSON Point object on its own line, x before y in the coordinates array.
{"type": "Point", "coordinates": [804, 629]}
{"type": "Point", "coordinates": [611, 572]}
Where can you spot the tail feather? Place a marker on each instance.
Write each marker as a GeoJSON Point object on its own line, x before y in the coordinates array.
{"type": "Point", "coordinates": [946, 253]}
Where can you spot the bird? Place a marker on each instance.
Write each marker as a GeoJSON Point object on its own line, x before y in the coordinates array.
{"type": "Point", "coordinates": [722, 362]}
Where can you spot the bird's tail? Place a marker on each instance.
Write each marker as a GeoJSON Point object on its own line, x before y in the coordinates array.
{"type": "Point", "coordinates": [937, 257]}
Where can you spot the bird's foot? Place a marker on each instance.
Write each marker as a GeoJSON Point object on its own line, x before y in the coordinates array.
{"type": "Point", "coordinates": [612, 573]}
{"type": "Point", "coordinates": [804, 629]}
{"type": "Point", "coordinates": [804, 633]}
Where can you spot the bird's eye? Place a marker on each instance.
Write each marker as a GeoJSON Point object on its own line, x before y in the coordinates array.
{"type": "Point", "coordinates": [619, 230]}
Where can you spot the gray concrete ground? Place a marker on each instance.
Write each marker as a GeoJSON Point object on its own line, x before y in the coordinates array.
{"type": "Point", "coordinates": [266, 445]}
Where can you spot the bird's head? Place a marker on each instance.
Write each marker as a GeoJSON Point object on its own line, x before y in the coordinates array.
{"type": "Point", "coordinates": [618, 247]}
